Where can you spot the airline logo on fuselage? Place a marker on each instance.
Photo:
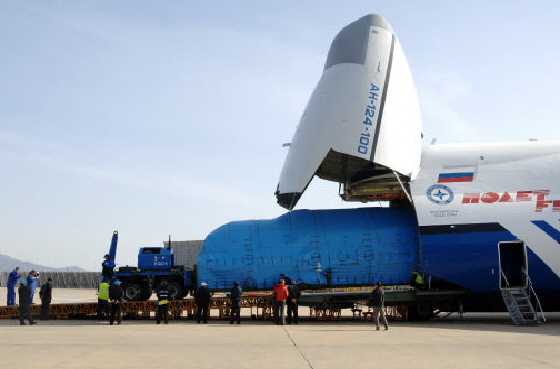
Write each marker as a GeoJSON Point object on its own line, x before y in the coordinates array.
{"type": "Point", "coordinates": [539, 196]}
{"type": "Point", "coordinates": [440, 194]}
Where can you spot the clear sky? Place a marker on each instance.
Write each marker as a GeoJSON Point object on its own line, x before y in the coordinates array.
{"type": "Point", "coordinates": [168, 118]}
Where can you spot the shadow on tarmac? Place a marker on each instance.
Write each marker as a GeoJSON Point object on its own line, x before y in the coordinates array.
{"type": "Point", "coordinates": [490, 322]}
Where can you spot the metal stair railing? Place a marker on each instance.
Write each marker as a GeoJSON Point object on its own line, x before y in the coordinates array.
{"type": "Point", "coordinates": [518, 303]}
{"type": "Point", "coordinates": [505, 279]}
{"type": "Point", "coordinates": [532, 294]}
{"type": "Point", "coordinates": [510, 302]}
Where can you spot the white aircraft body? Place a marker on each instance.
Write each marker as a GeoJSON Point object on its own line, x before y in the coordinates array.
{"type": "Point", "coordinates": [488, 214]}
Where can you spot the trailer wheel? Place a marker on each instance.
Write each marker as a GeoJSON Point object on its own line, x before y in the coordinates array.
{"type": "Point", "coordinates": [175, 291]}
{"type": "Point", "coordinates": [420, 312]}
{"type": "Point", "coordinates": [132, 292]}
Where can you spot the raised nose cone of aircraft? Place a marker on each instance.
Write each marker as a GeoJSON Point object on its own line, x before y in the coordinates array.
{"type": "Point", "coordinates": [351, 43]}
{"type": "Point", "coordinates": [361, 115]}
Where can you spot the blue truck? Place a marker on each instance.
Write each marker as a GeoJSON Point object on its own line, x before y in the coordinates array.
{"type": "Point", "coordinates": [155, 264]}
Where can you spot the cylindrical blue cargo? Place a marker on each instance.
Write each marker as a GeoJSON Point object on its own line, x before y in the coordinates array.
{"type": "Point", "coordinates": [342, 247]}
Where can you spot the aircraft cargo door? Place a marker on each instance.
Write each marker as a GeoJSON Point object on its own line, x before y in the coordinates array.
{"type": "Point", "coordinates": [513, 264]}
{"type": "Point", "coordinates": [362, 126]}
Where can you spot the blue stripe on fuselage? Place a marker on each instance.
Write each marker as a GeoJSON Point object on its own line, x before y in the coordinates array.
{"type": "Point", "coordinates": [548, 229]}
{"type": "Point", "coordinates": [467, 255]}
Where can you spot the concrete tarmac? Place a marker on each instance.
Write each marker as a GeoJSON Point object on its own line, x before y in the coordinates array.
{"type": "Point", "coordinates": [477, 341]}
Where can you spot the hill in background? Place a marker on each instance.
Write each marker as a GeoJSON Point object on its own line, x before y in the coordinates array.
{"type": "Point", "coordinates": [7, 264]}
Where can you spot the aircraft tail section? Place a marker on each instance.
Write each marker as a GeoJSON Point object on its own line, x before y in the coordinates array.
{"type": "Point", "coordinates": [361, 121]}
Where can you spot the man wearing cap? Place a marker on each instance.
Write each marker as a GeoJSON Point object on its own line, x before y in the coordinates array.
{"type": "Point", "coordinates": [202, 297]}
{"type": "Point", "coordinates": [45, 293]}
{"type": "Point", "coordinates": [32, 279]}
{"type": "Point", "coordinates": [13, 278]}
{"type": "Point", "coordinates": [24, 302]}
{"type": "Point", "coordinates": [107, 268]}
{"type": "Point", "coordinates": [116, 295]}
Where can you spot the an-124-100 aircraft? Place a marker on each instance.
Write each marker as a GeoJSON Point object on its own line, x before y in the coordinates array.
{"type": "Point", "coordinates": [488, 215]}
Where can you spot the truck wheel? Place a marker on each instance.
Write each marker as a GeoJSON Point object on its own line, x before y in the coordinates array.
{"type": "Point", "coordinates": [132, 292]}
{"type": "Point", "coordinates": [175, 291]}
{"type": "Point", "coordinates": [420, 312]}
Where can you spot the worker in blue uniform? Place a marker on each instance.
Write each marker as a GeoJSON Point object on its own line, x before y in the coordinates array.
{"type": "Point", "coordinates": [13, 278]}
{"type": "Point", "coordinates": [32, 279]}
{"type": "Point", "coordinates": [107, 268]}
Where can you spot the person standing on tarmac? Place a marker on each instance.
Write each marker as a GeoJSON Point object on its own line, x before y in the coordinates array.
{"type": "Point", "coordinates": [103, 299]}
{"type": "Point", "coordinates": [163, 302]}
{"type": "Point", "coordinates": [24, 302]}
{"type": "Point", "coordinates": [235, 294]}
{"type": "Point", "coordinates": [378, 303]}
{"type": "Point", "coordinates": [32, 279]}
{"type": "Point", "coordinates": [202, 297]}
{"type": "Point", "coordinates": [13, 279]}
{"type": "Point", "coordinates": [116, 295]}
{"type": "Point", "coordinates": [45, 293]}
{"type": "Point", "coordinates": [293, 296]}
{"type": "Point", "coordinates": [279, 295]}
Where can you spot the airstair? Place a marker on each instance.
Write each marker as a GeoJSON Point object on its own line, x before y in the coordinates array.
{"type": "Point", "coordinates": [519, 301]}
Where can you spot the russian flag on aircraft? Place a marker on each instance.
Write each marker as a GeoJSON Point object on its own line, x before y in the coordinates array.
{"type": "Point", "coordinates": [456, 177]}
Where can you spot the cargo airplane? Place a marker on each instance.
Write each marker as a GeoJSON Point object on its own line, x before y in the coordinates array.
{"type": "Point", "coordinates": [487, 215]}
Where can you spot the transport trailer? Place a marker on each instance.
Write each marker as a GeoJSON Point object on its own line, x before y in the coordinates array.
{"type": "Point", "coordinates": [420, 304]}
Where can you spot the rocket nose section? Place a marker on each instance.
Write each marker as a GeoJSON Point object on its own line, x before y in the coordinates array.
{"type": "Point", "coordinates": [362, 118]}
